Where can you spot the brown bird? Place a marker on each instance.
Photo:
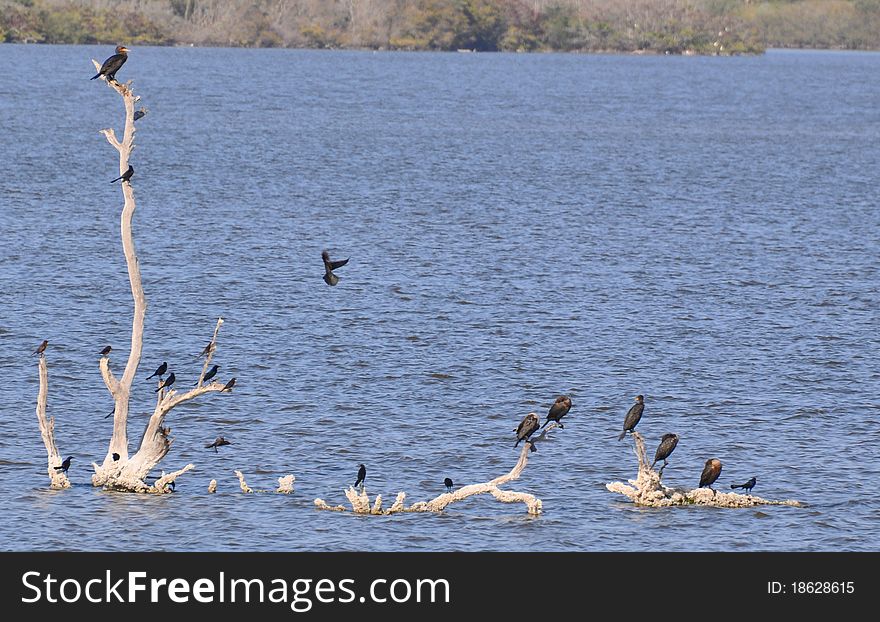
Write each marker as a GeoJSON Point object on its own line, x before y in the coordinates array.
{"type": "Point", "coordinates": [41, 348]}
{"type": "Point", "coordinates": [113, 64]}
{"type": "Point", "coordinates": [218, 442]}
{"type": "Point", "coordinates": [710, 473]}
{"type": "Point", "coordinates": [559, 409]}
{"type": "Point", "coordinates": [633, 416]}
{"type": "Point", "coordinates": [330, 266]}
{"type": "Point", "coordinates": [106, 351]}
{"type": "Point", "coordinates": [526, 428]}
{"type": "Point", "coordinates": [228, 386]}
{"type": "Point", "coordinates": [666, 447]}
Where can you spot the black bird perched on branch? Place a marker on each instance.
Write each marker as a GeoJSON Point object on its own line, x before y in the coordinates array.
{"type": "Point", "coordinates": [126, 176]}
{"type": "Point", "coordinates": [168, 382]}
{"type": "Point", "coordinates": [106, 351]}
{"type": "Point", "coordinates": [218, 442]}
{"type": "Point", "coordinates": [112, 412]}
{"type": "Point", "coordinates": [41, 348]}
{"type": "Point", "coordinates": [362, 475]}
{"type": "Point", "coordinates": [208, 349]}
{"type": "Point", "coordinates": [710, 473]}
{"type": "Point", "coordinates": [228, 386]}
{"type": "Point", "coordinates": [64, 465]}
{"type": "Point", "coordinates": [526, 428]}
{"type": "Point", "coordinates": [667, 445]}
{"type": "Point", "coordinates": [559, 409]}
{"type": "Point", "coordinates": [747, 486]}
{"type": "Point", "coordinates": [633, 416]}
{"type": "Point", "coordinates": [160, 371]}
{"type": "Point", "coordinates": [330, 266]}
{"type": "Point", "coordinates": [113, 64]}
{"type": "Point", "coordinates": [115, 456]}
{"type": "Point", "coordinates": [448, 483]}
{"type": "Point", "coordinates": [211, 373]}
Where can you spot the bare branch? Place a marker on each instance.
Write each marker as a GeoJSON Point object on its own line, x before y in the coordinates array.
{"type": "Point", "coordinates": [244, 487]}
{"type": "Point", "coordinates": [211, 349]}
{"type": "Point", "coordinates": [58, 479]}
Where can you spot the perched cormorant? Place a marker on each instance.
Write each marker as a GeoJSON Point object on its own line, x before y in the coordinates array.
{"type": "Point", "coordinates": [228, 386]}
{"type": "Point", "coordinates": [362, 475]}
{"type": "Point", "coordinates": [710, 473]}
{"type": "Point", "coordinates": [559, 409]}
{"type": "Point", "coordinates": [211, 373]}
{"type": "Point", "coordinates": [330, 266]}
{"type": "Point", "coordinates": [168, 382]}
{"type": "Point", "coordinates": [747, 486]}
{"type": "Point", "coordinates": [667, 446]}
{"type": "Point", "coordinates": [126, 175]}
{"type": "Point", "coordinates": [64, 465]}
{"type": "Point", "coordinates": [115, 456]}
{"type": "Point", "coordinates": [208, 349]}
{"type": "Point", "coordinates": [633, 416]}
{"type": "Point", "coordinates": [218, 442]}
{"type": "Point", "coordinates": [106, 351]}
{"type": "Point", "coordinates": [526, 428]}
{"type": "Point", "coordinates": [448, 483]}
{"type": "Point", "coordinates": [41, 348]}
{"type": "Point", "coordinates": [113, 64]}
{"type": "Point", "coordinates": [160, 371]}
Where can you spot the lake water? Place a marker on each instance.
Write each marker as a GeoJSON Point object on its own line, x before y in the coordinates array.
{"type": "Point", "coordinates": [703, 231]}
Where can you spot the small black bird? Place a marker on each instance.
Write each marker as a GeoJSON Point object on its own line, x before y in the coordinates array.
{"type": "Point", "coordinates": [559, 409]}
{"type": "Point", "coordinates": [139, 114]}
{"type": "Point", "coordinates": [362, 475]}
{"type": "Point", "coordinates": [666, 447]}
{"type": "Point", "coordinates": [747, 486]}
{"type": "Point", "coordinates": [168, 382]}
{"type": "Point", "coordinates": [126, 175]}
{"type": "Point", "coordinates": [208, 349]}
{"type": "Point", "coordinates": [115, 456]}
{"type": "Point", "coordinates": [710, 473]}
{"type": "Point", "coordinates": [106, 351]}
{"type": "Point", "coordinates": [633, 416]}
{"type": "Point", "coordinates": [64, 465]}
{"type": "Point", "coordinates": [110, 415]}
{"type": "Point", "coordinates": [330, 266]}
{"type": "Point", "coordinates": [160, 371]}
{"type": "Point", "coordinates": [526, 428]}
{"type": "Point", "coordinates": [218, 442]}
{"type": "Point", "coordinates": [211, 373]}
{"type": "Point", "coordinates": [41, 348]}
{"type": "Point", "coordinates": [228, 386]}
{"type": "Point", "coordinates": [448, 483]}
{"type": "Point", "coordinates": [113, 64]}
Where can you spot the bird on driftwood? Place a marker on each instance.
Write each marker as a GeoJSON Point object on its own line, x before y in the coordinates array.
{"type": "Point", "coordinates": [140, 114]}
{"type": "Point", "coordinates": [113, 64]}
{"type": "Point", "coordinates": [167, 383]}
{"type": "Point", "coordinates": [208, 349]}
{"type": "Point", "coordinates": [747, 486]}
{"type": "Point", "coordinates": [115, 456]}
{"type": "Point", "coordinates": [710, 473]}
{"type": "Point", "coordinates": [64, 465]}
{"type": "Point", "coordinates": [559, 409]}
{"type": "Point", "coordinates": [330, 266]}
{"type": "Point", "coordinates": [362, 475]}
{"type": "Point", "coordinates": [126, 176]}
{"type": "Point", "coordinates": [632, 416]}
{"type": "Point", "coordinates": [218, 442]}
{"type": "Point", "coordinates": [160, 371]}
{"type": "Point", "coordinates": [228, 386]}
{"type": "Point", "coordinates": [41, 348]}
{"type": "Point", "coordinates": [112, 412]}
{"type": "Point", "coordinates": [211, 373]}
{"type": "Point", "coordinates": [666, 447]}
{"type": "Point", "coordinates": [106, 351]}
{"type": "Point", "coordinates": [448, 483]}
{"type": "Point", "coordinates": [526, 428]}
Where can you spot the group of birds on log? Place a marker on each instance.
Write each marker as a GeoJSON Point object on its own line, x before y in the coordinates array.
{"type": "Point", "coordinates": [362, 476]}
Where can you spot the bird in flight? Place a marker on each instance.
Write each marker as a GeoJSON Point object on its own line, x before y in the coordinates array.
{"type": "Point", "coordinates": [126, 176]}
{"type": "Point", "coordinates": [168, 382]}
{"type": "Point", "coordinates": [559, 409]}
{"type": "Point", "coordinates": [41, 348]}
{"type": "Point", "coordinates": [710, 473]}
{"type": "Point", "coordinates": [160, 371]}
{"type": "Point", "coordinates": [666, 447]}
{"type": "Point", "coordinates": [330, 266]}
{"type": "Point", "coordinates": [526, 428]}
{"type": "Point", "coordinates": [747, 486]}
{"type": "Point", "coordinates": [211, 373]}
{"type": "Point", "coordinates": [218, 442]}
{"type": "Point", "coordinates": [113, 64]}
{"type": "Point", "coordinates": [106, 351]}
{"type": "Point", "coordinates": [448, 483]}
{"type": "Point", "coordinates": [228, 386]}
{"type": "Point", "coordinates": [64, 465]}
{"type": "Point", "coordinates": [362, 475]}
{"type": "Point", "coordinates": [633, 416]}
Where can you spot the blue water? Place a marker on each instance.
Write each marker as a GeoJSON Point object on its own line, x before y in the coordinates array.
{"type": "Point", "coordinates": [703, 231]}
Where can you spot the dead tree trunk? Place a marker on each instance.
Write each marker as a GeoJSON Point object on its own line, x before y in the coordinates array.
{"type": "Point", "coordinates": [57, 479]}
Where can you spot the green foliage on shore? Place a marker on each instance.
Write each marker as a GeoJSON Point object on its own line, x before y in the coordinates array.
{"type": "Point", "coordinates": [638, 26]}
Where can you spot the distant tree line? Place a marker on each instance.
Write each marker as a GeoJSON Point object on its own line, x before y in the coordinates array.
{"type": "Point", "coordinates": [655, 26]}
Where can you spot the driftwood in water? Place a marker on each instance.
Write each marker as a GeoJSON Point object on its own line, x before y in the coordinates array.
{"type": "Point", "coordinates": [57, 479]}
{"type": "Point", "coordinates": [648, 490]}
{"type": "Point", "coordinates": [285, 485]}
{"type": "Point", "coordinates": [360, 501]}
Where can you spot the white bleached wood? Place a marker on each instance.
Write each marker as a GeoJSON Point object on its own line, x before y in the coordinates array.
{"type": "Point", "coordinates": [244, 487]}
{"type": "Point", "coordinates": [57, 479]}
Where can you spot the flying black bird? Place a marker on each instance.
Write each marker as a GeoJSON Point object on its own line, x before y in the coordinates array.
{"type": "Point", "coordinates": [106, 351]}
{"type": "Point", "coordinates": [113, 64]}
{"type": "Point", "coordinates": [666, 447]}
{"type": "Point", "coordinates": [526, 428]}
{"type": "Point", "coordinates": [218, 442]}
{"type": "Point", "coordinates": [228, 386]}
{"type": "Point", "coordinates": [448, 483]}
{"type": "Point", "coordinates": [710, 473]}
{"type": "Point", "coordinates": [64, 465]}
{"type": "Point", "coordinates": [559, 409]}
{"type": "Point", "coordinates": [160, 371]}
{"type": "Point", "coordinates": [362, 475]}
{"type": "Point", "coordinates": [211, 373]}
{"type": "Point", "coordinates": [41, 348]}
{"type": "Point", "coordinates": [747, 486]}
{"type": "Point", "coordinates": [208, 349]}
{"type": "Point", "coordinates": [330, 266]}
{"type": "Point", "coordinates": [126, 175]}
{"type": "Point", "coordinates": [633, 416]}
{"type": "Point", "coordinates": [168, 382]}
{"type": "Point", "coordinates": [115, 456]}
